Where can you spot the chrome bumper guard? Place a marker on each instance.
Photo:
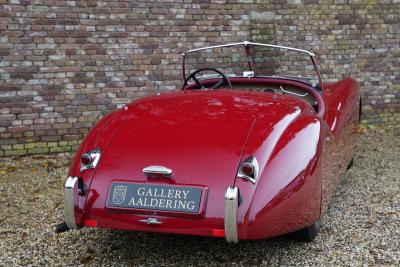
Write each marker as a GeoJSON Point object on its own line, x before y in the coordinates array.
{"type": "Point", "coordinates": [69, 208]}
{"type": "Point", "coordinates": [231, 207]}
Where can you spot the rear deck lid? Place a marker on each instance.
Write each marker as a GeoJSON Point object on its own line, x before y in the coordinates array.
{"type": "Point", "coordinates": [199, 135]}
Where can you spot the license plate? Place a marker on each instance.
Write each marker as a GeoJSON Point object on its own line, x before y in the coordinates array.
{"type": "Point", "coordinates": [155, 197]}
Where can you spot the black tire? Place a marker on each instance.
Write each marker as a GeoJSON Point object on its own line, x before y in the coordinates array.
{"type": "Point", "coordinates": [307, 234]}
{"type": "Point", "coordinates": [350, 164]}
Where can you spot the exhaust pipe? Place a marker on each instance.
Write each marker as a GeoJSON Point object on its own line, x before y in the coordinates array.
{"type": "Point", "coordinates": [61, 227]}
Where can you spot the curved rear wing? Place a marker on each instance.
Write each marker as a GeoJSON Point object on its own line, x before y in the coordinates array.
{"type": "Point", "coordinates": [247, 46]}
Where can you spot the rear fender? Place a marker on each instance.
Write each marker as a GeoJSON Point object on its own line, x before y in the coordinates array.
{"type": "Point", "coordinates": [287, 195]}
{"type": "Point", "coordinates": [90, 142]}
{"type": "Point", "coordinates": [94, 139]}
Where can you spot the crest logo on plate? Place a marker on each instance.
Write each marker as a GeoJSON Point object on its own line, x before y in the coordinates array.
{"type": "Point", "coordinates": [119, 194]}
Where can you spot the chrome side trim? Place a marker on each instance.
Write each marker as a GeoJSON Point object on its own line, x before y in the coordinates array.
{"type": "Point", "coordinates": [95, 155]}
{"type": "Point", "coordinates": [150, 220]}
{"type": "Point", "coordinates": [69, 212]}
{"type": "Point", "coordinates": [231, 207]}
{"type": "Point", "coordinates": [256, 173]}
{"type": "Point", "coordinates": [154, 171]}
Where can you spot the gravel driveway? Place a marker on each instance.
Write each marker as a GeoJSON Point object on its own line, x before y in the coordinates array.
{"type": "Point", "coordinates": [361, 226]}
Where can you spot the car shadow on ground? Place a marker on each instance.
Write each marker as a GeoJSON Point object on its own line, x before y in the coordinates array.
{"type": "Point", "coordinates": [138, 248]}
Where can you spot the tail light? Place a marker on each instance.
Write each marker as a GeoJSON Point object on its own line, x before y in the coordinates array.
{"type": "Point", "coordinates": [90, 223]}
{"type": "Point", "coordinates": [86, 159]}
{"type": "Point", "coordinates": [90, 159]}
{"type": "Point", "coordinates": [249, 169]}
{"type": "Point", "coordinates": [218, 232]}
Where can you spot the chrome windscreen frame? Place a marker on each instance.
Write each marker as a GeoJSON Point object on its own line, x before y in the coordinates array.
{"type": "Point", "coordinates": [231, 208]}
{"type": "Point", "coordinates": [247, 45]}
{"type": "Point", "coordinates": [71, 186]}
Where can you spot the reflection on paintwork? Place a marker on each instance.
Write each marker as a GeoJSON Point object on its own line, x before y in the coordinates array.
{"type": "Point", "coordinates": [304, 140]}
{"type": "Point", "coordinates": [339, 106]}
{"type": "Point", "coordinates": [283, 187]}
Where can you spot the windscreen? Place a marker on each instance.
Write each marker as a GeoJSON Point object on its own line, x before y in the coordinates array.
{"type": "Point", "coordinates": [269, 61]}
{"type": "Point", "coordinates": [266, 61]}
{"type": "Point", "coordinates": [232, 61]}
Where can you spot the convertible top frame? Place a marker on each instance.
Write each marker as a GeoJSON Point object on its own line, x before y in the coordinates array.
{"type": "Point", "coordinates": [247, 45]}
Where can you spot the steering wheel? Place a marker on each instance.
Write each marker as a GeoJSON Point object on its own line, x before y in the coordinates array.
{"type": "Point", "coordinates": [200, 84]}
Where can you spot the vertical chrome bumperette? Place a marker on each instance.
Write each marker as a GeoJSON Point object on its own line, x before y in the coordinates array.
{"type": "Point", "coordinates": [231, 207]}
{"type": "Point", "coordinates": [69, 206]}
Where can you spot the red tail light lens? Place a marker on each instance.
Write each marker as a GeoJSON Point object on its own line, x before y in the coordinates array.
{"type": "Point", "coordinates": [218, 232]}
{"type": "Point", "coordinates": [90, 159]}
{"type": "Point", "coordinates": [90, 223]}
{"type": "Point", "coordinates": [247, 168]}
{"type": "Point", "coordinates": [86, 159]}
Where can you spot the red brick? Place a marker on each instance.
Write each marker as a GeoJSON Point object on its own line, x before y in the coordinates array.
{"type": "Point", "coordinates": [56, 69]}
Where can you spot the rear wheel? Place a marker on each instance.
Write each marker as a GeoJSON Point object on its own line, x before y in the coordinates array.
{"type": "Point", "coordinates": [307, 234]}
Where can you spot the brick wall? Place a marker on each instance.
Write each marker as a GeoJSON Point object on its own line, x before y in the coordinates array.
{"type": "Point", "coordinates": [64, 64]}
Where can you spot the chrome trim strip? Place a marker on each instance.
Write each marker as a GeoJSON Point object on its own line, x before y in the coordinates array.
{"type": "Point", "coordinates": [231, 207]}
{"type": "Point", "coordinates": [154, 171]}
{"type": "Point", "coordinates": [69, 207]}
{"type": "Point", "coordinates": [214, 46]}
{"type": "Point", "coordinates": [95, 155]}
{"type": "Point", "coordinates": [150, 220]}
{"type": "Point", "coordinates": [256, 173]}
{"type": "Point", "coordinates": [245, 43]}
{"type": "Point", "coordinates": [284, 47]}
{"type": "Point", "coordinates": [288, 92]}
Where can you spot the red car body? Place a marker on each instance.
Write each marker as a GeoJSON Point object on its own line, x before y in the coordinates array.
{"type": "Point", "coordinates": [204, 136]}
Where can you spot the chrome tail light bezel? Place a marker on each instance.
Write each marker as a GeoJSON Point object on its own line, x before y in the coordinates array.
{"type": "Point", "coordinates": [95, 158]}
{"type": "Point", "coordinates": [256, 170]}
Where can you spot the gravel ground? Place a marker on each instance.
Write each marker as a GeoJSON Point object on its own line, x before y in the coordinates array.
{"type": "Point", "coordinates": [361, 226]}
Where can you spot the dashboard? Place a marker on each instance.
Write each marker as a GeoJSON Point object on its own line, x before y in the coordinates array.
{"type": "Point", "coordinates": [279, 89]}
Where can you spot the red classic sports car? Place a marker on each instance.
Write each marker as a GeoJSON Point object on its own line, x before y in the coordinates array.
{"type": "Point", "coordinates": [252, 147]}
